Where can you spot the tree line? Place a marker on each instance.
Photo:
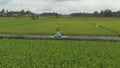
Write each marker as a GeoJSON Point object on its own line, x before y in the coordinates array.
{"type": "Point", "coordinates": [102, 13]}
{"type": "Point", "coordinates": [23, 13]}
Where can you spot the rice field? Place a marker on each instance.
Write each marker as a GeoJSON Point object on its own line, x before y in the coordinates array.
{"type": "Point", "coordinates": [68, 25]}
{"type": "Point", "coordinates": [16, 53]}
{"type": "Point", "coordinates": [28, 53]}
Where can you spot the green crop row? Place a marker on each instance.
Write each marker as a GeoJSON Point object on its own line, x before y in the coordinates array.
{"type": "Point", "coordinates": [15, 53]}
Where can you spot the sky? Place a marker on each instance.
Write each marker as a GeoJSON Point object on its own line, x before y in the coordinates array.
{"type": "Point", "coordinates": [60, 6]}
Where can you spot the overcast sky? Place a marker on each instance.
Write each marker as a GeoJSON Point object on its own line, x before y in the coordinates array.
{"type": "Point", "coordinates": [60, 6]}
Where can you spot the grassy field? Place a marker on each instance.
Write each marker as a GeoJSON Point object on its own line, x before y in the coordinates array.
{"type": "Point", "coordinates": [26, 53]}
{"type": "Point", "coordinates": [69, 26]}
{"type": "Point", "coordinates": [15, 53]}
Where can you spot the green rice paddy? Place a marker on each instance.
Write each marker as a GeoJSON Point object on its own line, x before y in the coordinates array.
{"type": "Point", "coordinates": [68, 25]}
{"type": "Point", "coordinates": [15, 53]}
{"type": "Point", "coordinates": [27, 53]}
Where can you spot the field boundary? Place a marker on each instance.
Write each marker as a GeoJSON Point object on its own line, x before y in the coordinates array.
{"type": "Point", "coordinates": [94, 38]}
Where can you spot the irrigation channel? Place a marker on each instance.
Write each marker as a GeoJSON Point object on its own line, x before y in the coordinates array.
{"type": "Point", "coordinates": [94, 38]}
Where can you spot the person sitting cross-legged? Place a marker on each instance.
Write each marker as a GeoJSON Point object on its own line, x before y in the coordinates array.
{"type": "Point", "coordinates": [58, 34]}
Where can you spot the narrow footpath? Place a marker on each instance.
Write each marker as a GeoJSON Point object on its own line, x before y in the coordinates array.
{"type": "Point", "coordinates": [94, 38]}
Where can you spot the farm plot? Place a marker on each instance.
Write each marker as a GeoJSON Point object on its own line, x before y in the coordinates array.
{"type": "Point", "coordinates": [69, 26]}
{"type": "Point", "coordinates": [15, 53]}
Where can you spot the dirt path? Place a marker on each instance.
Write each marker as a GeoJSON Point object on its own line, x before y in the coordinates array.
{"type": "Point", "coordinates": [95, 38]}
